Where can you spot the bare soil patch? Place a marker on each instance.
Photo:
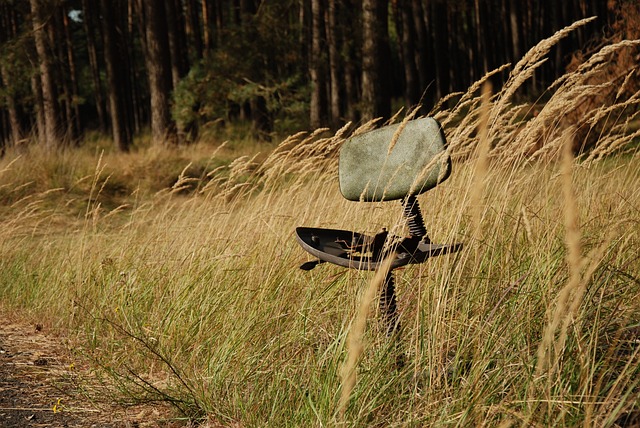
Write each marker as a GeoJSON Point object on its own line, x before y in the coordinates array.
{"type": "Point", "coordinates": [43, 385]}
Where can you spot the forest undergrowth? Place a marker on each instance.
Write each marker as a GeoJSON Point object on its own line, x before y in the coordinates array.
{"type": "Point", "coordinates": [176, 271]}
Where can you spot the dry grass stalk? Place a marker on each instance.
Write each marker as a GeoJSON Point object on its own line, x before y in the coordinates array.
{"type": "Point", "coordinates": [403, 124]}
{"type": "Point", "coordinates": [591, 93]}
{"type": "Point", "coordinates": [550, 350]}
{"type": "Point", "coordinates": [525, 68]}
{"type": "Point", "coordinates": [393, 118]}
{"type": "Point", "coordinates": [355, 346]}
{"type": "Point", "coordinates": [439, 159]}
{"type": "Point", "coordinates": [615, 144]}
{"type": "Point", "coordinates": [521, 132]}
{"type": "Point", "coordinates": [439, 112]}
{"type": "Point", "coordinates": [468, 99]}
{"type": "Point", "coordinates": [482, 161]}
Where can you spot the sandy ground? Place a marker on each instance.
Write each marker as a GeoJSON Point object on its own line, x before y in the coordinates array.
{"type": "Point", "coordinates": [43, 385]}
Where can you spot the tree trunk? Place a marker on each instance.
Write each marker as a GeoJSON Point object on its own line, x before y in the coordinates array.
{"type": "Point", "coordinates": [422, 52]}
{"type": "Point", "coordinates": [351, 51]}
{"type": "Point", "coordinates": [375, 60]}
{"type": "Point", "coordinates": [89, 23]}
{"type": "Point", "coordinates": [51, 137]}
{"type": "Point", "coordinates": [159, 70]}
{"type": "Point", "coordinates": [73, 76]}
{"type": "Point", "coordinates": [15, 127]}
{"type": "Point", "coordinates": [3, 135]}
{"type": "Point", "coordinates": [439, 31]}
{"type": "Point", "coordinates": [66, 97]}
{"type": "Point", "coordinates": [481, 52]}
{"type": "Point", "coordinates": [208, 23]}
{"type": "Point", "coordinates": [137, 103]}
{"type": "Point", "coordinates": [8, 30]}
{"type": "Point", "coordinates": [431, 71]}
{"type": "Point", "coordinates": [36, 89]}
{"type": "Point", "coordinates": [408, 48]}
{"type": "Point", "coordinates": [116, 81]}
{"type": "Point", "coordinates": [515, 31]}
{"type": "Point", "coordinates": [261, 121]}
{"type": "Point", "coordinates": [333, 42]}
{"type": "Point", "coordinates": [317, 69]}
{"type": "Point", "coordinates": [193, 27]}
{"type": "Point", "coordinates": [177, 48]}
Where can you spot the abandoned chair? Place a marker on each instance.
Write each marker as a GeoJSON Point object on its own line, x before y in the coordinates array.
{"type": "Point", "coordinates": [383, 166]}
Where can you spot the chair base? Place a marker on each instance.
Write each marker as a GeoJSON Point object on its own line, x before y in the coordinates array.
{"type": "Point", "coordinates": [358, 251]}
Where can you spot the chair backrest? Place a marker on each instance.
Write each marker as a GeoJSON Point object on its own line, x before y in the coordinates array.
{"type": "Point", "coordinates": [371, 170]}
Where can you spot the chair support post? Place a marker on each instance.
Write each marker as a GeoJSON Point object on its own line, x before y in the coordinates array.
{"type": "Point", "coordinates": [388, 305]}
{"type": "Point", "coordinates": [389, 312]}
{"type": "Point", "coordinates": [411, 210]}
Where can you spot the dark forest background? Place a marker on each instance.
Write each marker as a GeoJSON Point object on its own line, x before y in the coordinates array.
{"type": "Point", "coordinates": [177, 68]}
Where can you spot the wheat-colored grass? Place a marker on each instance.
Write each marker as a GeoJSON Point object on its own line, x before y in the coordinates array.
{"type": "Point", "coordinates": [175, 273]}
{"type": "Point", "coordinates": [355, 345]}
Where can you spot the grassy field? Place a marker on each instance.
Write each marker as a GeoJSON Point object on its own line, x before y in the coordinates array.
{"type": "Point", "coordinates": [176, 272]}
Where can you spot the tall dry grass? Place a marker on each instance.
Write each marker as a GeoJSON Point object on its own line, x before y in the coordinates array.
{"type": "Point", "coordinates": [190, 294]}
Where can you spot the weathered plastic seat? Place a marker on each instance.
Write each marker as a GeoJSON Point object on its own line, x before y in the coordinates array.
{"type": "Point", "coordinates": [371, 172]}
{"type": "Point", "coordinates": [383, 165]}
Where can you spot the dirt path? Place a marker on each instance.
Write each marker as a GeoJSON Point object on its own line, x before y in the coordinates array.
{"type": "Point", "coordinates": [40, 385]}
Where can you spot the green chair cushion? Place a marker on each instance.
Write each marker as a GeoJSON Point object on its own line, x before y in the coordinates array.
{"type": "Point", "coordinates": [417, 162]}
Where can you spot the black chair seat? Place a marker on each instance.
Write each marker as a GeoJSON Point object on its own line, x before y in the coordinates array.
{"type": "Point", "coordinates": [364, 252]}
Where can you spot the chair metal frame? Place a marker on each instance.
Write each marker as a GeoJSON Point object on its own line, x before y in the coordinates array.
{"type": "Point", "coordinates": [364, 252]}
